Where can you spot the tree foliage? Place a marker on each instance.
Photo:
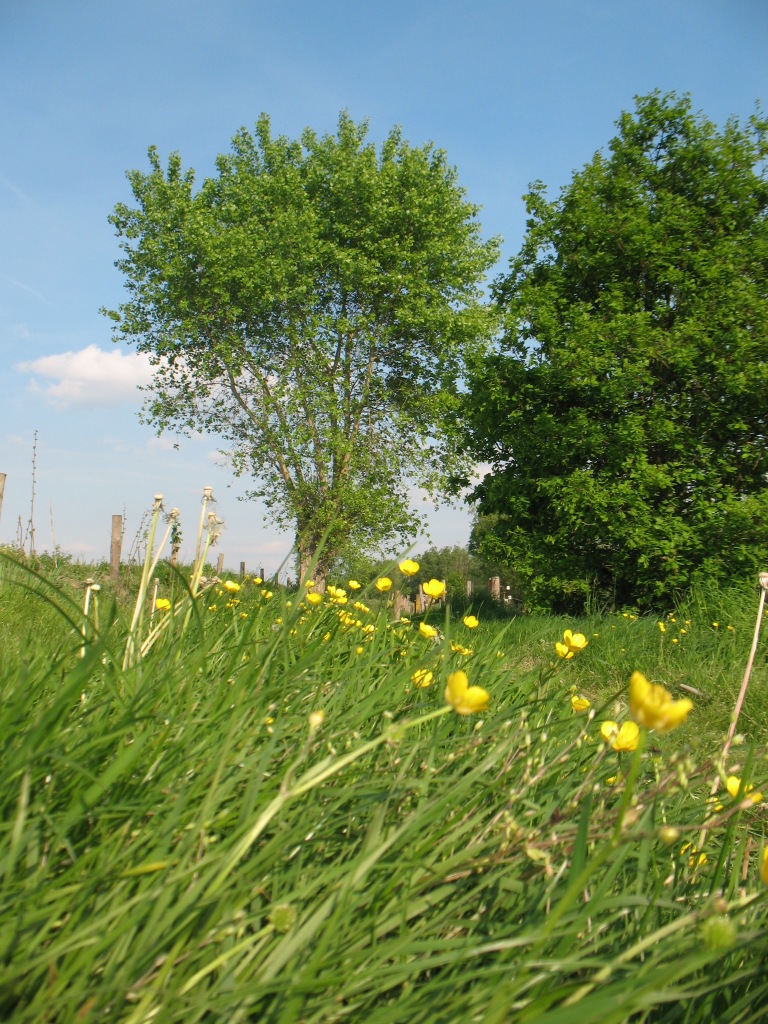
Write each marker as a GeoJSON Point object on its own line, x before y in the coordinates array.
{"type": "Point", "coordinates": [312, 305]}
{"type": "Point", "coordinates": [625, 414]}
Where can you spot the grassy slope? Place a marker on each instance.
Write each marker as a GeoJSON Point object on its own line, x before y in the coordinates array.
{"type": "Point", "coordinates": [179, 845]}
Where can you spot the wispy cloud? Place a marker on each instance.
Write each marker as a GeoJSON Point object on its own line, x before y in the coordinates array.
{"type": "Point", "coordinates": [19, 192]}
{"type": "Point", "coordinates": [22, 286]}
{"type": "Point", "coordinates": [88, 379]}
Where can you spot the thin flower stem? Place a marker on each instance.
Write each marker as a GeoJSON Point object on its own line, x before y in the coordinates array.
{"type": "Point", "coordinates": [138, 609]}
{"type": "Point", "coordinates": [174, 515]}
{"type": "Point", "coordinates": [207, 497]}
{"type": "Point", "coordinates": [748, 672]}
{"type": "Point", "coordinates": [629, 785]}
{"type": "Point", "coordinates": [763, 578]}
{"type": "Point", "coordinates": [154, 602]}
{"type": "Point", "coordinates": [86, 604]}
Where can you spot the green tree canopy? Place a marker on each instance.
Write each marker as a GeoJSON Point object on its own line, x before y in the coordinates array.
{"type": "Point", "coordinates": [625, 414]}
{"type": "Point", "coordinates": [312, 305]}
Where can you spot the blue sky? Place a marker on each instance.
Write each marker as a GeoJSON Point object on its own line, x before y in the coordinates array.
{"type": "Point", "coordinates": [513, 91]}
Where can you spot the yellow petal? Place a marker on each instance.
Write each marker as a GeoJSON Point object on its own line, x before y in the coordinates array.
{"type": "Point", "coordinates": [422, 677]}
{"type": "Point", "coordinates": [579, 703]}
{"type": "Point", "coordinates": [627, 738]}
{"type": "Point", "coordinates": [434, 589]}
{"type": "Point", "coordinates": [463, 698]}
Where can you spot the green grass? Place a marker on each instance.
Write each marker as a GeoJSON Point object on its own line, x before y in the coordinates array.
{"type": "Point", "coordinates": [179, 844]}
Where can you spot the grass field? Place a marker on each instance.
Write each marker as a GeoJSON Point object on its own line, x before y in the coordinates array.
{"type": "Point", "coordinates": [249, 807]}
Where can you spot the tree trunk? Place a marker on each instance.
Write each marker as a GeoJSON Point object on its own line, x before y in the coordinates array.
{"type": "Point", "coordinates": [310, 559]}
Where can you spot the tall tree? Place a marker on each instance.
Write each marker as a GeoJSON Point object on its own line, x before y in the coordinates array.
{"type": "Point", "coordinates": [313, 305]}
{"type": "Point", "coordinates": [625, 414]}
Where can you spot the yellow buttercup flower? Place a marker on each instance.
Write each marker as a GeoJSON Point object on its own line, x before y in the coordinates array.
{"type": "Point", "coordinates": [231, 586]}
{"type": "Point", "coordinates": [579, 703]}
{"type": "Point", "coordinates": [463, 698]}
{"type": "Point", "coordinates": [624, 737]}
{"type": "Point", "coordinates": [434, 589]}
{"type": "Point", "coordinates": [162, 604]}
{"type": "Point", "coordinates": [733, 784]}
{"type": "Point", "coordinates": [764, 867]}
{"type": "Point", "coordinates": [652, 705]}
{"type": "Point", "coordinates": [574, 641]}
{"type": "Point", "coordinates": [383, 584]}
{"type": "Point", "coordinates": [571, 644]}
{"type": "Point", "coordinates": [354, 585]}
{"type": "Point", "coordinates": [471, 621]}
{"type": "Point", "coordinates": [408, 567]}
{"type": "Point", "coordinates": [314, 598]}
{"type": "Point", "coordinates": [428, 631]}
{"type": "Point", "coordinates": [422, 677]}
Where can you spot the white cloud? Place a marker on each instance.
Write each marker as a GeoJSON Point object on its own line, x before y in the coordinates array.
{"type": "Point", "coordinates": [90, 378]}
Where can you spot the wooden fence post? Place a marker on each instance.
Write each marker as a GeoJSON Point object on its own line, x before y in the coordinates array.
{"type": "Point", "coordinates": [115, 546]}
{"type": "Point", "coordinates": [494, 585]}
{"type": "Point", "coordinates": [242, 570]}
{"type": "Point", "coordinates": [220, 564]}
{"type": "Point", "coordinates": [2, 489]}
